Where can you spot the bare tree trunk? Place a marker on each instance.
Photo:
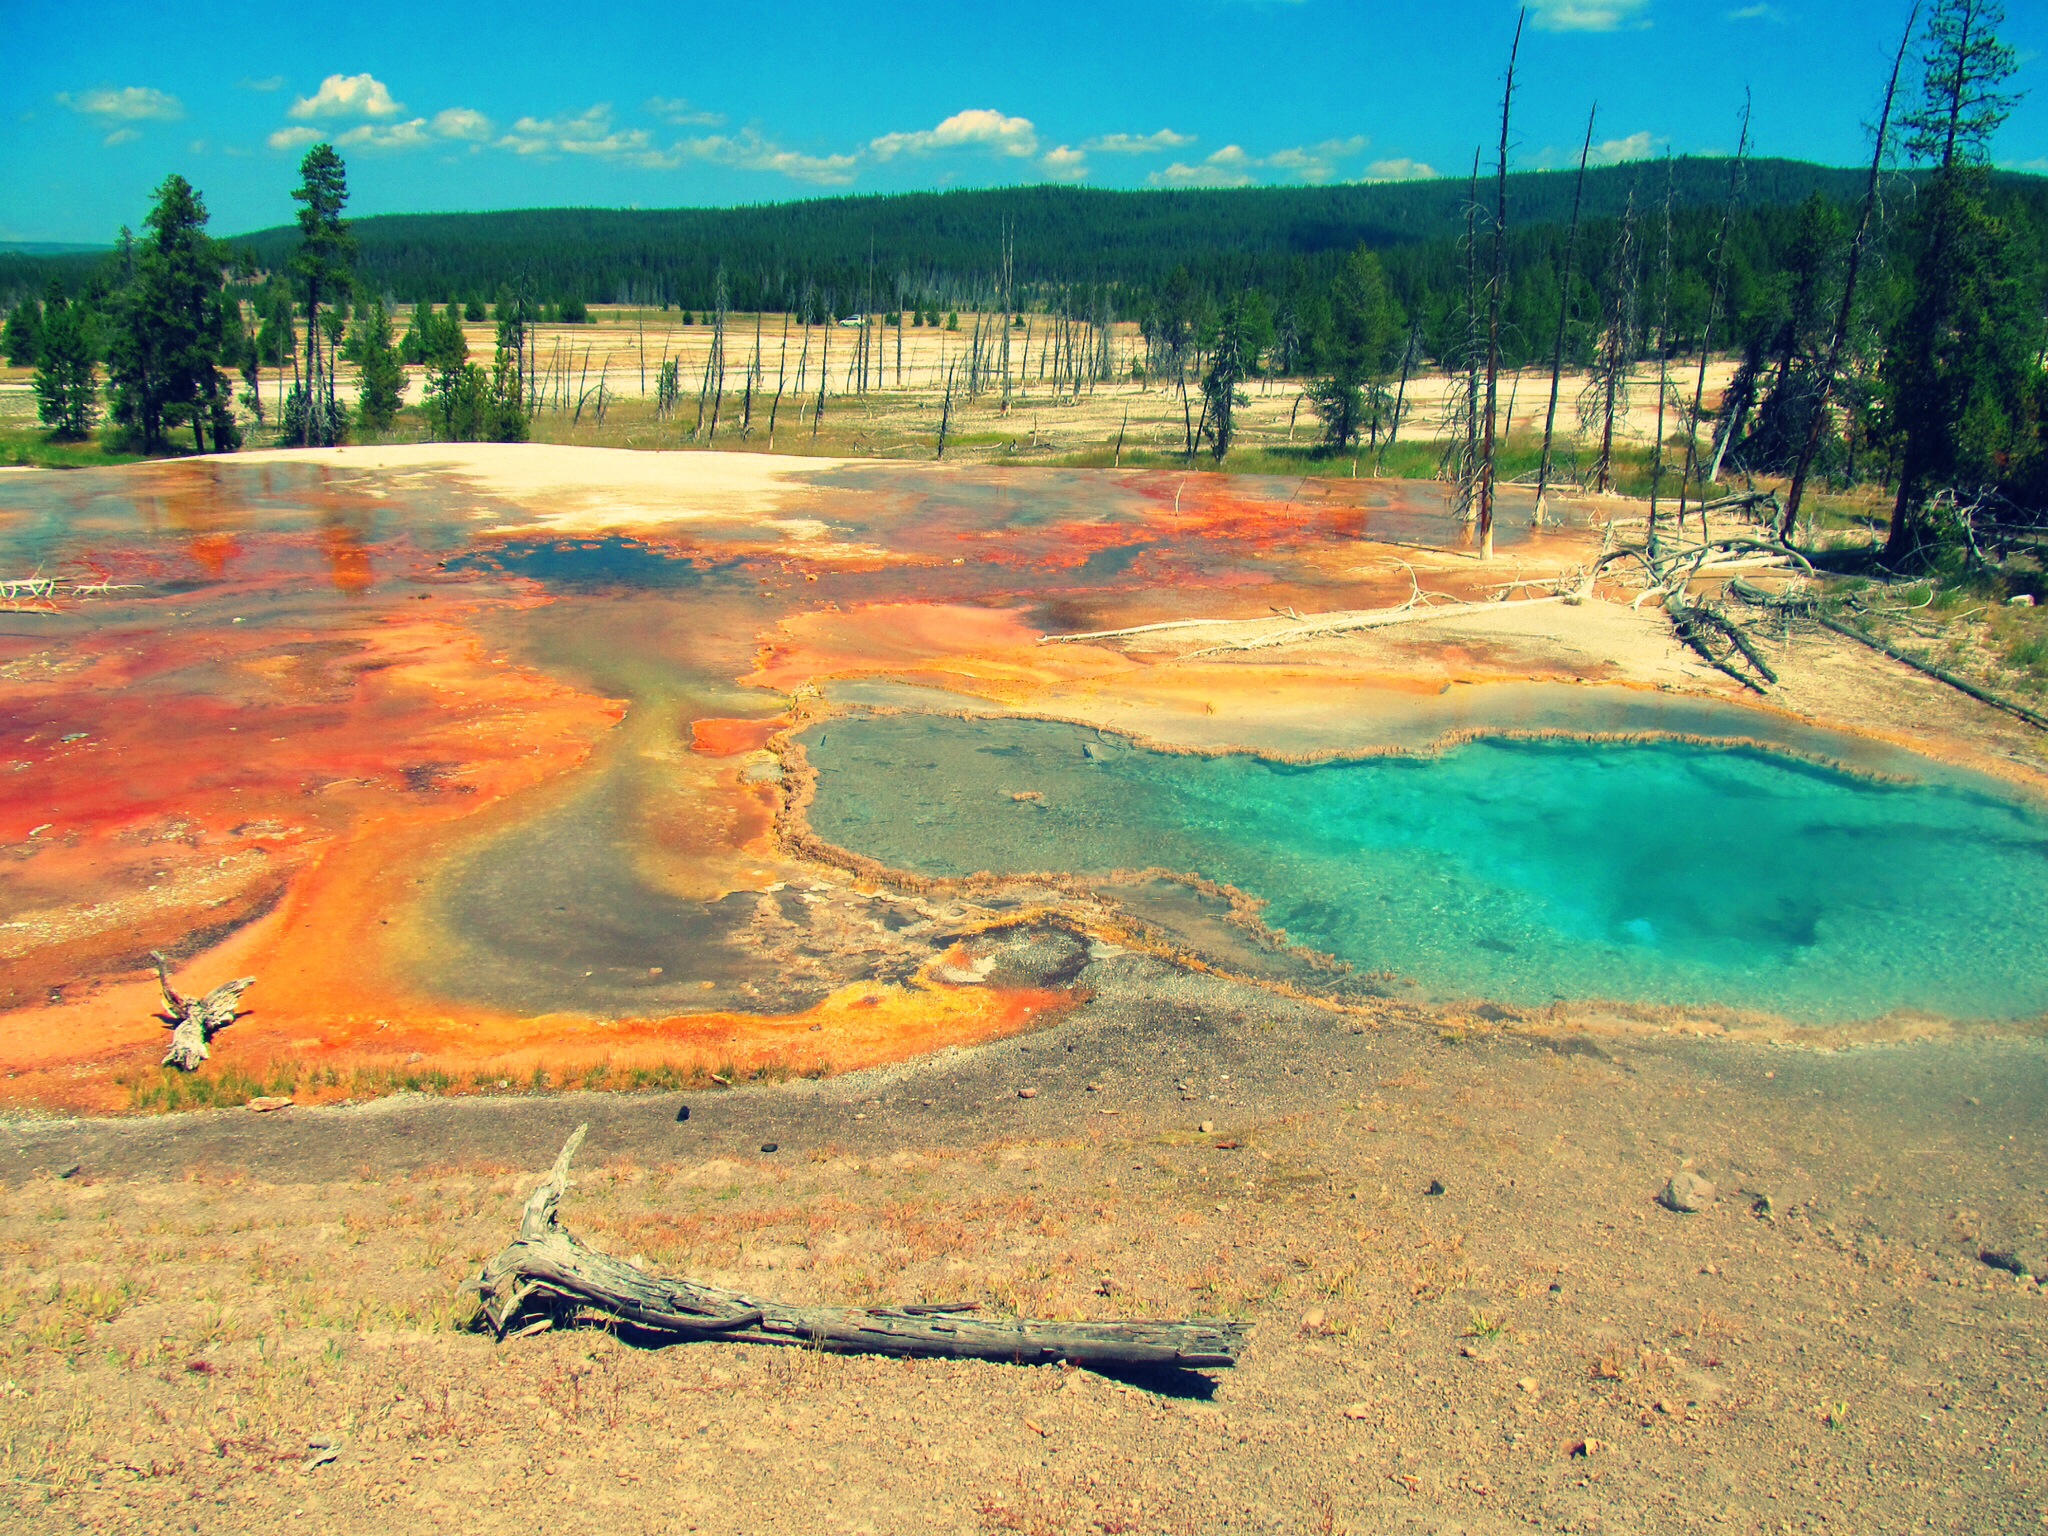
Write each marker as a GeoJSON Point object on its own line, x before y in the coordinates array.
{"type": "Point", "coordinates": [1845, 313]}
{"type": "Point", "coordinates": [1663, 359]}
{"type": "Point", "coordinates": [1699, 389]}
{"type": "Point", "coordinates": [1564, 310]}
{"type": "Point", "coordinates": [1495, 296]}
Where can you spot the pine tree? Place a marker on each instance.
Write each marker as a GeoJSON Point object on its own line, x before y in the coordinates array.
{"type": "Point", "coordinates": [380, 387]}
{"type": "Point", "coordinates": [1958, 362]}
{"type": "Point", "coordinates": [18, 340]}
{"type": "Point", "coordinates": [1229, 366]}
{"type": "Point", "coordinates": [67, 371]}
{"type": "Point", "coordinates": [164, 361]}
{"type": "Point", "coordinates": [323, 261]}
{"type": "Point", "coordinates": [1365, 325]}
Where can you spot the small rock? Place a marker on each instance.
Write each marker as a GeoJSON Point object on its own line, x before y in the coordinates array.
{"type": "Point", "coordinates": [268, 1106]}
{"type": "Point", "coordinates": [1096, 754]}
{"type": "Point", "coordinates": [1207, 1127]}
{"type": "Point", "coordinates": [1095, 1087]}
{"type": "Point", "coordinates": [1586, 1447]}
{"type": "Point", "coordinates": [1472, 1352]}
{"type": "Point", "coordinates": [1436, 1187]}
{"type": "Point", "coordinates": [2017, 600]}
{"type": "Point", "coordinates": [1529, 1384]}
{"type": "Point", "coordinates": [69, 1172]}
{"type": "Point", "coordinates": [682, 1111]}
{"type": "Point", "coordinates": [415, 1058]}
{"type": "Point", "coordinates": [1027, 1093]}
{"type": "Point", "coordinates": [769, 1146]}
{"type": "Point", "coordinates": [2011, 1263]}
{"type": "Point", "coordinates": [324, 1448]}
{"type": "Point", "coordinates": [1358, 1410]}
{"type": "Point", "coordinates": [927, 1103]}
{"type": "Point", "coordinates": [1686, 1192]}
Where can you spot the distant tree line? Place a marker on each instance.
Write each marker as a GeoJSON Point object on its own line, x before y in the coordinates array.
{"type": "Point", "coordinates": [1886, 325]}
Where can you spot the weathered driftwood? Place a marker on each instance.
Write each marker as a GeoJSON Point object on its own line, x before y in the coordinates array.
{"type": "Point", "coordinates": [194, 1021]}
{"type": "Point", "coordinates": [546, 1276]}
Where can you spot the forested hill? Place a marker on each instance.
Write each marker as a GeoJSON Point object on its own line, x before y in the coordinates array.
{"type": "Point", "coordinates": [1061, 235]}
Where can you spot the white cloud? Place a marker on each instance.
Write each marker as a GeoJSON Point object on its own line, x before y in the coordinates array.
{"type": "Point", "coordinates": [267, 83]}
{"type": "Point", "coordinates": [121, 136]}
{"type": "Point", "coordinates": [1140, 143]}
{"type": "Point", "coordinates": [1400, 169]}
{"type": "Point", "coordinates": [976, 128]}
{"type": "Point", "coordinates": [747, 150]}
{"type": "Point", "coordinates": [1232, 166]}
{"type": "Point", "coordinates": [1637, 146]}
{"type": "Point", "coordinates": [463, 123]}
{"type": "Point", "coordinates": [1064, 164]}
{"type": "Point", "coordinates": [589, 133]}
{"type": "Point", "coordinates": [407, 135]}
{"type": "Point", "coordinates": [130, 104]}
{"type": "Point", "coordinates": [292, 138]}
{"type": "Point", "coordinates": [1758, 12]}
{"type": "Point", "coordinates": [677, 110]}
{"type": "Point", "coordinates": [348, 96]}
{"type": "Point", "coordinates": [1590, 15]}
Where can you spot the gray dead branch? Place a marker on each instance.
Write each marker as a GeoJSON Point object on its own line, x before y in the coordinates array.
{"type": "Point", "coordinates": [194, 1021]}
{"type": "Point", "coordinates": [546, 1277]}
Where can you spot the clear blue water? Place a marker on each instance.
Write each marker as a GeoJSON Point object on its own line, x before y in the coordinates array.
{"type": "Point", "coordinates": [1524, 872]}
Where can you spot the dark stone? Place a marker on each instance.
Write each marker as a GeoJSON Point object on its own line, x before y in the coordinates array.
{"type": "Point", "coordinates": [1436, 1187]}
{"type": "Point", "coordinates": [769, 1146]}
{"type": "Point", "coordinates": [682, 1113]}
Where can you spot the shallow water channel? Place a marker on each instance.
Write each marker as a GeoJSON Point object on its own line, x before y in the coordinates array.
{"type": "Point", "coordinates": [1522, 871]}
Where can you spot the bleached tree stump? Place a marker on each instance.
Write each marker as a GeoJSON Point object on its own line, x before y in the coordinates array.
{"type": "Point", "coordinates": [546, 1276]}
{"type": "Point", "coordinates": [194, 1021]}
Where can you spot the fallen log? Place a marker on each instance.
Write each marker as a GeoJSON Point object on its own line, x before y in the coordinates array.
{"type": "Point", "coordinates": [546, 1276]}
{"type": "Point", "coordinates": [1939, 674]}
{"type": "Point", "coordinates": [194, 1021]}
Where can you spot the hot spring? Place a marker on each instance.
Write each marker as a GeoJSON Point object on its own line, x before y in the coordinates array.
{"type": "Point", "coordinates": [1522, 871]}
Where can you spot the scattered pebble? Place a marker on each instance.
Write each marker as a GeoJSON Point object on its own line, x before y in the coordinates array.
{"type": "Point", "coordinates": [1686, 1192]}
{"type": "Point", "coordinates": [770, 1146]}
{"type": "Point", "coordinates": [1312, 1319]}
{"type": "Point", "coordinates": [1027, 1093]}
{"type": "Point", "coordinates": [682, 1111]}
{"type": "Point", "coordinates": [267, 1106]}
{"type": "Point", "coordinates": [1207, 1127]}
{"type": "Point", "coordinates": [1436, 1187]}
{"type": "Point", "coordinates": [1358, 1410]}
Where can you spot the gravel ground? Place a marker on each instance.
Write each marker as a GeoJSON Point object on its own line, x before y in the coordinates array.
{"type": "Point", "coordinates": [192, 1302]}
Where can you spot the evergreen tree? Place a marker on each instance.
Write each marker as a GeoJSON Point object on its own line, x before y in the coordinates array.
{"type": "Point", "coordinates": [380, 373]}
{"type": "Point", "coordinates": [67, 371]}
{"type": "Point", "coordinates": [1957, 371]}
{"type": "Point", "coordinates": [1230, 360]}
{"type": "Point", "coordinates": [1789, 332]}
{"type": "Point", "coordinates": [165, 358]}
{"type": "Point", "coordinates": [1365, 327]}
{"type": "Point", "coordinates": [18, 340]}
{"type": "Point", "coordinates": [323, 261]}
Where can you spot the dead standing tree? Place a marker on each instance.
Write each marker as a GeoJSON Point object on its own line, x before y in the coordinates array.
{"type": "Point", "coordinates": [1736, 176]}
{"type": "Point", "coordinates": [546, 1277]}
{"type": "Point", "coordinates": [1460, 464]}
{"type": "Point", "coordinates": [1496, 295]}
{"type": "Point", "coordinates": [1605, 399]}
{"type": "Point", "coordinates": [1564, 313]}
{"type": "Point", "coordinates": [1831, 369]}
{"type": "Point", "coordinates": [194, 1021]}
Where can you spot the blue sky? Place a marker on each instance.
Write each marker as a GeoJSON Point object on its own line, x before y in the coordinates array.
{"type": "Point", "coordinates": [442, 107]}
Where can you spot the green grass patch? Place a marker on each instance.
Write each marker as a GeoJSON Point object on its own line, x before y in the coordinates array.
{"type": "Point", "coordinates": [39, 450]}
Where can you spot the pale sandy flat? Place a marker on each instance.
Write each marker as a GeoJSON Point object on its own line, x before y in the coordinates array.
{"type": "Point", "coordinates": [593, 490]}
